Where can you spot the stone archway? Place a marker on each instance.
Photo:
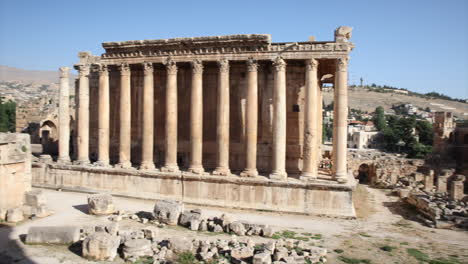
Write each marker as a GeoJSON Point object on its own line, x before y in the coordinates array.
{"type": "Point", "coordinates": [48, 134]}
{"type": "Point", "coordinates": [364, 173]}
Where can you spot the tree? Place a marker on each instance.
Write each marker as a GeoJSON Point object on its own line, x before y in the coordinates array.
{"type": "Point", "coordinates": [7, 116]}
{"type": "Point", "coordinates": [379, 119]}
{"type": "Point", "coordinates": [425, 132]}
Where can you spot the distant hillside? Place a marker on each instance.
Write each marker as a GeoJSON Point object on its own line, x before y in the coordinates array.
{"type": "Point", "coordinates": [367, 100]}
{"type": "Point", "coordinates": [39, 77]}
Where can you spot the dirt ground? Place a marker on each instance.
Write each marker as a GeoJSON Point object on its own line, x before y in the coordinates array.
{"type": "Point", "coordinates": [384, 231]}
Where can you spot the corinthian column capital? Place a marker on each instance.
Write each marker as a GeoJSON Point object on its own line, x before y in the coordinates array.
{"type": "Point", "coordinates": [223, 65]}
{"type": "Point", "coordinates": [252, 65]}
{"type": "Point", "coordinates": [64, 72]}
{"type": "Point", "coordinates": [197, 66]}
{"type": "Point", "coordinates": [171, 66]}
{"type": "Point", "coordinates": [342, 64]}
{"type": "Point", "coordinates": [124, 69]}
{"type": "Point", "coordinates": [280, 64]}
{"type": "Point", "coordinates": [83, 70]}
{"type": "Point", "coordinates": [148, 67]}
{"type": "Point", "coordinates": [311, 64]}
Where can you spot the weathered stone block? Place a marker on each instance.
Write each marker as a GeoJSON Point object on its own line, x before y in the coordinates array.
{"type": "Point", "coordinates": [100, 204]}
{"type": "Point", "coordinates": [14, 215]}
{"type": "Point", "coordinates": [179, 245]}
{"type": "Point", "coordinates": [168, 211]}
{"type": "Point", "coordinates": [191, 219]}
{"type": "Point", "coordinates": [136, 248]}
{"type": "Point", "coordinates": [53, 235]}
{"type": "Point", "coordinates": [237, 227]}
{"type": "Point", "coordinates": [100, 246]}
{"type": "Point", "coordinates": [35, 198]}
{"type": "Point", "coordinates": [262, 258]}
{"type": "Point", "coordinates": [242, 253]}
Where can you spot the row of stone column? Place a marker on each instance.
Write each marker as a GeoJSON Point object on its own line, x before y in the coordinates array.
{"type": "Point", "coordinates": [312, 119]}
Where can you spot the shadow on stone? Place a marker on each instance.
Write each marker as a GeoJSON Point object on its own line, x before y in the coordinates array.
{"type": "Point", "coordinates": [82, 207]}
{"type": "Point", "coordinates": [76, 248]}
{"type": "Point", "coordinates": [11, 250]}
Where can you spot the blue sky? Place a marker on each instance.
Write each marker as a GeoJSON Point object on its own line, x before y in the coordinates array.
{"type": "Point", "coordinates": [421, 45]}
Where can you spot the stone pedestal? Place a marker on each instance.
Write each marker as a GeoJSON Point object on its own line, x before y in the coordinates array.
{"type": "Point", "coordinates": [64, 116]}
{"type": "Point", "coordinates": [457, 187]}
{"type": "Point", "coordinates": [429, 181]}
{"type": "Point", "coordinates": [125, 117]}
{"type": "Point", "coordinates": [279, 121]}
{"type": "Point", "coordinates": [148, 121]}
{"type": "Point", "coordinates": [104, 116]}
{"type": "Point", "coordinates": [196, 118]}
{"type": "Point", "coordinates": [441, 183]}
{"type": "Point", "coordinates": [170, 164]}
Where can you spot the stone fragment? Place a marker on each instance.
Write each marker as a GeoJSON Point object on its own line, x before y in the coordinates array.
{"type": "Point", "coordinates": [43, 211]}
{"type": "Point", "coordinates": [218, 229]}
{"type": "Point", "coordinates": [150, 232]}
{"type": "Point", "coordinates": [237, 228]}
{"type": "Point", "coordinates": [241, 253]}
{"type": "Point", "coordinates": [100, 246]}
{"type": "Point", "coordinates": [14, 215]}
{"type": "Point", "coordinates": [112, 229]}
{"type": "Point", "coordinates": [280, 253]}
{"type": "Point", "coordinates": [203, 226]}
{"type": "Point", "coordinates": [191, 219]}
{"type": "Point", "coordinates": [178, 245]}
{"type": "Point", "coordinates": [53, 235]}
{"type": "Point", "coordinates": [135, 248]}
{"type": "Point", "coordinates": [267, 231]}
{"type": "Point", "coordinates": [34, 198]}
{"type": "Point", "coordinates": [168, 211]}
{"type": "Point", "coordinates": [100, 204]}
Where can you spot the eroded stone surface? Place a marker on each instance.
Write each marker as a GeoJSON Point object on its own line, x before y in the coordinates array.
{"type": "Point", "coordinates": [53, 235]}
{"type": "Point", "coordinates": [168, 211]}
{"type": "Point", "coordinates": [100, 246]}
{"type": "Point", "coordinates": [101, 204]}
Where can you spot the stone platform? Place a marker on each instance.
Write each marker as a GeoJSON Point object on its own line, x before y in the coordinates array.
{"type": "Point", "coordinates": [321, 197]}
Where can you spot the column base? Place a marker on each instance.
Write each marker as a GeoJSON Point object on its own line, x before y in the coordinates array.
{"type": "Point", "coordinates": [308, 176]}
{"type": "Point", "coordinates": [147, 165]}
{"type": "Point", "coordinates": [341, 178]}
{"type": "Point", "coordinates": [124, 165]}
{"type": "Point", "coordinates": [82, 162]}
{"type": "Point", "coordinates": [249, 173]}
{"type": "Point", "coordinates": [102, 163]}
{"type": "Point", "coordinates": [170, 168]}
{"type": "Point", "coordinates": [196, 169]}
{"type": "Point", "coordinates": [64, 160]}
{"type": "Point", "coordinates": [278, 175]}
{"type": "Point", "coordinates": [222, 171]}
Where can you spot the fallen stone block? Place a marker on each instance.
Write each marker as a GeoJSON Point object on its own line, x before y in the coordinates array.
{"type": "Point", "coordinates": [191, 219]}
{"type": "Point", "coordinates": [100, 246]}
{"type": "Point", "coordinates": [136, 248]}
{"type": "Point", "coordinates": [53, 235]}
{"type": "Point", "coordinates": [35, 198]}
{"type": "Point", "coordinates": [241, 253]}
{"type": "Point", "coordinates": [179, 245]}
{"type": "Point", "coordinates": [168, 211]}
{"type": "Point", "coordinates": [262, 258]}
{"type": "Point", "coordinates": [14, 215]}
{"type": "Point", "coordinates": [100, 204]}
{"type": "Point", "coordinates": [237, 228]}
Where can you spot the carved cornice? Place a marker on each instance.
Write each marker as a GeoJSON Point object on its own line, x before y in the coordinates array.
{"type": "Point", "coordinates": [342, 64]}
{"type": "Point", "coordinates": [124, 69]}
{"type": "Point", "coordinates": [197, 66]}
{"type": "Point", "coordinates": [223, 65]}
{"type": "Point", "coordinates": [279, 64]}
{"type": "Point", "coordinates": [252, 65]}
{"type": "Point", "coordinates": [171, 66]}
{"type": "Point", "coordinates": [312, 64]}
{"type": "Point", "coordinates": [148, 67]}
{"type": "Point", "coordinates": [64, 72]}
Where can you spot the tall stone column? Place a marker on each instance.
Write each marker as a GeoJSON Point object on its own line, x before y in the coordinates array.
{"type": "Point", "coordinates": [340, 117]}
{"type": "Point", "coordinates": [279, 121]}
{"type": "Point", "coordinates": [251, 120]}
{"type": "Point", "coordinates": [319, 122]}
{"type": "Point", "coordinates": [83, 115]}
{"type": "Point", "coordinates": [222, 126]}
{"type": "Point", "coordinates": [196, 118]}
{"type": "Point", "coordinates": [64, 116]}
{"type": "Point", "coordinates": [148, 118]}
{"type": "Point", "coordinates": [125, 117]}
{"type": "Point", "coordinates": [104, 116]}
{"type": "Point", "coordinates": [170, 164]}
{"type": "Point", "coordinates": [311, 133]}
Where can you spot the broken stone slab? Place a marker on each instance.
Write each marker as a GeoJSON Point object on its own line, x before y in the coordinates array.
{"type": "Point", "coordinates": [100, 246]}
{"type": "Point", "coordinates": [191, 219]}
{"type": "Point", "coordinates": [35, 198]}
{"type": "Point", "coordinates": [136, 248]}
{"type": "Point", "coordinates": [179, 245]}
{"type": "Point", "coordinates": [168, 211]}
{"type": "Point", "coordinates": [53, 235]}
{"type": "Point", "coordinates": [262, 258]}
{"type": "Point", "coordinates": [241, 253]}
{"type": "Point", "coordinates": [14, 215]}
{"type": "Point", "coordinates": [100, 204]}
{"type": "Point", "coordinates": [237, 228]}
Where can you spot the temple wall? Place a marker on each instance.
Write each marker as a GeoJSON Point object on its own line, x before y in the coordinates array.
{"type": "Point", "coordinates": [295, 79]}
{"type": "Point", "coordinates": [328, 198]}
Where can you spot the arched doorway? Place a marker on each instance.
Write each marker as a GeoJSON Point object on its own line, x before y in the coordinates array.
{"type": "Point", "coordinates": [363, 173]}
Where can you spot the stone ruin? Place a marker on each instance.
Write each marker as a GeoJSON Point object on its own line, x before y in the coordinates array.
{"type": "Point", "coordinates": [103, 242]}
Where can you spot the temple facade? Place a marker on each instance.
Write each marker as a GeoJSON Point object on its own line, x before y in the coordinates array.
{"type": "Point", "coordinates": [225, 105]}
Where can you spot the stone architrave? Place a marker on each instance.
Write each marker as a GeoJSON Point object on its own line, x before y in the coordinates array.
{"type": "Point", "coordinates": [170, 164]}
{"type": "Point", "coordinates": [311, 133]}
{"type": "Point", "coordinates": [279, 121]}
{"type": "Point", "coordinates": [340, 118]}
{"type": "Point", "coordinates": [64, 116]}
{"type": "Point", "coordinates": [125, 117]}
{"type": "Point", "coordinates": [104, 116]}
{"type": "Point", "coordinates": [251, 132]}
{"type": "Point", "coordinates": [196, 118]}
{"type": "Point", "coordinates": [83, 115]}
{"type": "Point", "coordinates": [148, 118]}
{"type": "Point", "coordinates": [222, 128]}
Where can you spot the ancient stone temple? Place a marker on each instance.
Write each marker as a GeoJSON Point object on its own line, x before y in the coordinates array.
{"type": "Point", "coordinates": [235, 120]}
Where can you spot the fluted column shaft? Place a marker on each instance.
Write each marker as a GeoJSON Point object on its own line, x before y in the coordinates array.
{"type": "Point", "coordinates": [170, 164]}
{"type": "Point", "coordinates": [64, 116]}
{"type": "Point", "coordinates": [83, 115]}
{"type": "Point", "coordinates": [196, 118]}
{"type": "Point", "coordinates": [341, 123]}
{"type": "Point", "coordinates": [222, 125]}
{"type": "Point", "coordinates": [125, 117]}
{"type": "Point", "coordinates": [251, 133]}
{"type": "Point", "coordinates": [311, 133]}
{"type": "Point", "coordinates": [104, 116]}
{"type": "Point", "coordinates": [279, 121]}
{"type": "Point", "coordinates": [148, 118]}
